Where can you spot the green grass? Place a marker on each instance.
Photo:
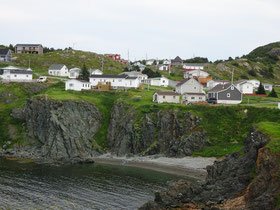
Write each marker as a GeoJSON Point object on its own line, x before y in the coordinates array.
{"type": "Point", "coordinates": [258, 99]}
{"type": "Point", "coordinates": [41, 63]}
{"type": "Point", "coordinates": [271, 129]}
{"type": "Point", "coordinates": [218, 150]}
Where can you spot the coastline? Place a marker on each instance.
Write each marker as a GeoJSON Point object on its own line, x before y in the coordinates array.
{"type": "Point", "coordinates": [192, 167]}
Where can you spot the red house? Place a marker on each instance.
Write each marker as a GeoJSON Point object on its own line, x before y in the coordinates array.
{"type": "Point", "coordinates": [116, 57]}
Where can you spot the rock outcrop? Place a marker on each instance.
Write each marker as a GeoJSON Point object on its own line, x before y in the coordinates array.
{"type": "Point", "coordinates": [61, 130]}
{"type": "Point", "coordinates": [245, 180]}
{"type": "Point", "coordinates": [166, 132]}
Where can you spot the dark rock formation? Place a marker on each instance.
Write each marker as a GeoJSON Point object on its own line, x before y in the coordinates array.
{"type": "Point", "coordinates": [231, 179]}
{"type": "Point", "coordinates": [164, 132]}
{"type": "Point", "coordinates": [61, 130]}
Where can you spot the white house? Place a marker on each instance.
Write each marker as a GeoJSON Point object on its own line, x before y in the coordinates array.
{"type": "Point", "coordinates": [117, 81]}
{"type": "Point", "coordinates": [212, 83]}
{"type": "Point", "coordinates": [196, 73]}
{"type": "Point", "coordinates": [137, 74]}
{"type": "Point", "coordinates": [151, 62]}
{"type": "Point", "coordinates": [166, 97]}
{"type": "Point", "coordinates": [60, 70]}
{"type": "Point", "coordinates": [256, 83]}
{"type": "Point", "coordinates": [95, 72]}
{"type": "Point", "coordinates": [267, 86]}
{"type": "Point", "coordinates": [157, 81]}
{"type": "Point", "coordinates": [5, 55]}
{"type": "Point", "coordinates": [193, 97]}
{"type": "Point", "coordinates": [77, 85]}
{"type": "Point", "coordinates": [16, 74]}
{"type": "Point", "coordinates": [166, 62]}
{"type": "Point", "coordinates": [244, 87]}
{"type": "Point", "coordinates": [74, 73]}
{"type": "Point", "coordinates": [190, 85]}
{"type": "Point", "coordinates": [164, 67]}
{"type": "Point", "coordinates": [192, 66]}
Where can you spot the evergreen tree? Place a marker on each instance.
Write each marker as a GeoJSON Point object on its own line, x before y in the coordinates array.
{"type": "Point", "coordinates": [273, 94]}
{"type": "Point", "coordinates": [261, 90]}
{"type": "Point", "coordinates": [85, 73]}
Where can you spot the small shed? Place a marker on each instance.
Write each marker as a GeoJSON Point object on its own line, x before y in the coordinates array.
{"type": "Point", "coordinates": [166, 97]}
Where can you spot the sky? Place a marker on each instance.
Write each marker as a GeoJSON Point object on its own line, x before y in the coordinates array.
{"type": "Point", "coordinates": [215, 29]}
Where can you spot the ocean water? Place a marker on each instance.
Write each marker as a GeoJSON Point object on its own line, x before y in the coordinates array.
{"type": "Point", "coordinates": [88, 186]}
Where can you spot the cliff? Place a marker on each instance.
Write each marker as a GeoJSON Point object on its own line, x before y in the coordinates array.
{"type": "Point", "coordinates": [59, 130]}
{"type": "Point", "coordinates": [245, 180]}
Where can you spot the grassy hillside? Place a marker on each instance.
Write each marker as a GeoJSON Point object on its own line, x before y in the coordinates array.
{"type": "Point", "coordinates": [41, 63]}
{"type": "Point", "coordinates": [263, 64]}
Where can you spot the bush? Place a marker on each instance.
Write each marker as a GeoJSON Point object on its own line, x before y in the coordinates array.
{"type": "Point", "coordinates": [252, 73]}
{"type": "Point", "coordinates": [244, 76]}
{"type": "Point", "coordinates": [273, 94]}
{"type": "Point", "coordinates": [261, 90]}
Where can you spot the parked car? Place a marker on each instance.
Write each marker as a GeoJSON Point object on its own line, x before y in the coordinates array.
{"type": "Point", "coordinates": [42, 79]}
{"type": "Point", "coordinates": [211, 100]}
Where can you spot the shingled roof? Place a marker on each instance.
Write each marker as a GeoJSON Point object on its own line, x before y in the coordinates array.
{"type": "Point", "coordinates": [220, 87]}
{"type": "Point", "coordinates": [167, 93]}
{"type": "Point", "coordinates": [56, 66]}
{"type": "Point", "coordinates": [4, 51]}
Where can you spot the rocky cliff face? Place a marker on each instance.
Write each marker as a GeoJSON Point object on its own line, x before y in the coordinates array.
{"type": "Point", "coordinates": [161, 132]}
{"type": "Point", "coordinates": [61, 130]}
{"type": "Point", "coordinates": [231, 183]}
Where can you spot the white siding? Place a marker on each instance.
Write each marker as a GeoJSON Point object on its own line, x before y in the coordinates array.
{"type": "Point", "coordinates": [77, 85]}
{"type": "Point", "coordinates": [166, 99]}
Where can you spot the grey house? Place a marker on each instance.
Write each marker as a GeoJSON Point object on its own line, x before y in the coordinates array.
{"type": "Point", "coordinates": [29, 48]}
{"type": "Point", "coordinates": [226, 94]}
{"type": "Point", "coordinates": [189, 85]}
{"type": "Point", "coordinates": [177, 61]}
{"type": "Point", "coordinates": [5, 55]}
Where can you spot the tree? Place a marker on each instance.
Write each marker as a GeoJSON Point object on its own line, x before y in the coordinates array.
{"type": "Point", "coordinates": [11, 47]}
{"type": "Point", "coordinates": [261, 90]}
{"type": "Point", "coordinates": [273, 94]}
{"type": "Point", "coordinates": [85, 73]}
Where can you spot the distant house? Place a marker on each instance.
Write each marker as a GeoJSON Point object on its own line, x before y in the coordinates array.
{"type": "Point", "coordinates": [95, 72]}
{"type": "Point", "coordinates": [212, 83]}
{"type": "Point", "coordinates": [116, 57]}
{"type": "Point", "coordinates": [135, 74]}
{"type": "Point", "coordinates": [192, 66]}
{"type": "Point", "coordinates": [16, 74]}
{"type": "Point", "coordinates": [256, 83]}
{"type": "Point", "coordinates": [177, 61]}
{"type": "Point", "coordinates": [5, 55]}
{"type": "Point", "coordinates": [140, 66]}
{"type": "Point", "coordinates": [166, 97]}
{"type": "Point", "coordinates": [189, 85]}
{"type": "Point", "coordinates": [226, 94]}
{"type": "Point", "coordinates": [244, 87]}
{"type": "Point", "coordinates": [77, 85]}
{"type": "Point", "coordinates": [166, 62]}
{"type": "Point", "coordinates": [193, 97]}
{"type": "Point", "coordinates": [164, 67]}
{"type": "Point", "coordinates": [157, 81]}
{"type": "Point", "coordinates": [74, 73]}
{"type": "Point", "coordinates": [267, 86]}
{"type": "Point", "coordinates": [29, 48]}
{"type": "Point", "coordinates": [60, 70]}
{"type": "Point", "coordinates": [196, 73]}
{"type": "Point", "coordinates": [117, 81]}
{"type": "Point", "coordinates": [151, 62]}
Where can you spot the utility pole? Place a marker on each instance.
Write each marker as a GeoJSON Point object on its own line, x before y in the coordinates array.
{"type": "Point", "coordinates": [232, 76]}
{"type": "Point", "coordinates": [102, 64]}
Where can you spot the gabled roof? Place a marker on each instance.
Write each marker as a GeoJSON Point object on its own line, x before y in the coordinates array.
{"type": "Point", "coordinates": [217, 80]}
{"type": "Point", "coordinates": [220, 87]}
{"type": "Point", "coordinates": [11, 68]}
{"type": "Point", "coordinates": [56, 66]}
{"type": "Point", "coordinates": [182, 82]}
{"type": "Point", "coordinates": [79, 80]}
{"type": "Point", "coordinates": [169, 93]}
{"type": "Point", "coordinates": [177, 59]}
{"type": "Point", "coordinates": [20, 72]}
{"type": "Point", "coordinates": [4, 51]}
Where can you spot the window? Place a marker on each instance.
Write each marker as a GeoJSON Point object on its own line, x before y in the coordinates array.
{"type": "Point", "coordinates": [192, 97]}
{"type": "Point", "coordinates": [72, 74]}
{"type": "Point", "coordinates": [26, 75]}
{"type": "Point", "coordinates": [232, 88]}
{"type": "Point", "coordinates": [163, 81]}
{"type": "Point", "coordinates": [163, 96]}
{"type": "Point", "coordinates": [50, 72]}
{"type": "Point", "coordinates": [228, 95]}
{"type": "Point", "coordinates": [71, 85]}
{"type": "Point", "coordinates": [113, 80]}
{"type": "Point", "coordinates": [15, 75]}
{"type": "Point", "coordinates": [200, 97]}
{"type": "Point", "coordinates": [174, 97]}
{"type": "Point", "coordinates": [194, 87]}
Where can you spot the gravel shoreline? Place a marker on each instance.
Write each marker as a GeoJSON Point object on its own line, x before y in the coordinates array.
{"type": "Point", "coordinates": [193, 167]}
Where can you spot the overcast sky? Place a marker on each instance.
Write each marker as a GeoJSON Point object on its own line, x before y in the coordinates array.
{"type": "Point", "coordinates": [215, 29]}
